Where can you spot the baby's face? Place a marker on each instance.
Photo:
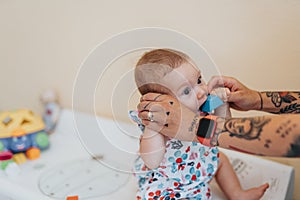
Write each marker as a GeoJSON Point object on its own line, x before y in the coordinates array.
{"type": "Point", "coordinates": [188, 86]}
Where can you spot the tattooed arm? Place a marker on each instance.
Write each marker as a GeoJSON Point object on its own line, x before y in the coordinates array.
{"type": "Point", "coordinates": [272, 135]}
{"type": "Point", "coordinates": [242, 98]}
{"type": "Point", "coordinates": [281, 102]}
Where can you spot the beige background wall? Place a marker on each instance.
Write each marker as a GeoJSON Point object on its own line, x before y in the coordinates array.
{"type": "Point", "coordinates": [43, 43]}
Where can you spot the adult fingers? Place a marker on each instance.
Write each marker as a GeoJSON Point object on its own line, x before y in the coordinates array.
{"type": "Point", "coordinates": [233, 96]}
{"type": "Point", "coordinates": [215, 82]}
{"type": "Point", "coordinates": [222, 93]}
{"type": "Point", "coordinates": [221, 81]}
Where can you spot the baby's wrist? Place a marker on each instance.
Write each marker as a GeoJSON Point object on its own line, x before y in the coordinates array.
{"type": "Point", "coordinates": [209, 129]}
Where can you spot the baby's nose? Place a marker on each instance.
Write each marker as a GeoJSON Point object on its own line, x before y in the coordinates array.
{"type": "Point", "coordinates": [201, 93]}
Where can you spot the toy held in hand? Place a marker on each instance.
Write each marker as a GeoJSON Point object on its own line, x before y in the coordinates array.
{"type": "Point", "coordinates": [212, 102]}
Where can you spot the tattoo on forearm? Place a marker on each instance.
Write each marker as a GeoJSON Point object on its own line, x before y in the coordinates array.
{"type": "Point", "coordinates": [246, 128]}
{"type": "Point", "coordinates": [193, 124]}
{"type": "Point", "coordinates": [292, 108]}
{"type": "Point", "coordinates": [294, 148]}
{"type": "Point", "coordinates": [285, 128]}
{"type": "Point", "coordinates": [268, 142]}
{"type": "Point", "coordinates": [282, 131]}
{"type": "Point", "coordinates": [278, 98]}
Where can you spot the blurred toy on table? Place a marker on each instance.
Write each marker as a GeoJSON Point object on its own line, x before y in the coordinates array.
{"type": "Point", "coordinates": [8, 165]}
{"type": "Point", "coordinates": [51, 110]}
{"type": "Point", "coordinates": [22, 136]}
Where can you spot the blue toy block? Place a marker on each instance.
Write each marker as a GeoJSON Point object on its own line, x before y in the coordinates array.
{"type": "Point", "coordinates": [211, 103]}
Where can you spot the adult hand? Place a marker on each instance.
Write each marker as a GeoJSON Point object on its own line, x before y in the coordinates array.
{"type": "Point", "coordinates": [240, 97]}
{"type": "Point", "coordinates": [164, 114]}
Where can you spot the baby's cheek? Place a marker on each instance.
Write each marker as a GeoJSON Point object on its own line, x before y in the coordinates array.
{"type": "Point", "coordinates": [192, 104]}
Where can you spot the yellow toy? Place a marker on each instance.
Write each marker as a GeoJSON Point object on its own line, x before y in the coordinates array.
{"type": "Point", "coordinates": [19, 158]}
{"type": "Point", "coordinates": [22, 131]}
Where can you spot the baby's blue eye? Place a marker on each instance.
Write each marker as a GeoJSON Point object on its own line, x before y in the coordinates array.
{"type": "Point", "coordinates": [199, 80]}
{"type": "Point", "coordinates": [187, 91]}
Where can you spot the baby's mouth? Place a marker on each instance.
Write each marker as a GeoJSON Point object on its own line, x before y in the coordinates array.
{"type": "Point", "coordinates": [200, 108]}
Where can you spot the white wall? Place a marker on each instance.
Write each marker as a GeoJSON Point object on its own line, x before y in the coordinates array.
{"type": "Point", "coordinates": [43, 43]}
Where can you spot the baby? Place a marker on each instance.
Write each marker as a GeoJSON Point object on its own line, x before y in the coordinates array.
{"type": "Point", "coordinates": [173, 169]}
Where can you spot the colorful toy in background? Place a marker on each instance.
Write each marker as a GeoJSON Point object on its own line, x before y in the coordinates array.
{"type": "Point", "coordinates": [8, 165]}
{"type": "Point", "coordinates": [22, 132]}
{"type": "Point", "coordinates": [5, 159]}
{"type": "Point", "coordinates": [51, 110]}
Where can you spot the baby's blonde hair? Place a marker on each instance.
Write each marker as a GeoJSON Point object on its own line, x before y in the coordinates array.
{"type": "Point", "coordinates": [154, 65]}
